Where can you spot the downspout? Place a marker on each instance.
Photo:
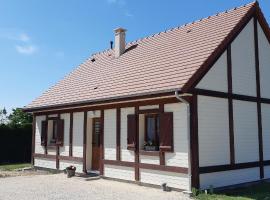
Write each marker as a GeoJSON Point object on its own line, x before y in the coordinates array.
{"type": "Point", "coordinates": [181, 99]}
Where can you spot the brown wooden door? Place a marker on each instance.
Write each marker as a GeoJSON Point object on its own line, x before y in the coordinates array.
{"type": "Point", "coordinates": [95, 143]}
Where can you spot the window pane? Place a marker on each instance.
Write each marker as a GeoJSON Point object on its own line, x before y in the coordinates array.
{"type": "Point", "coordinates": [151, 129]}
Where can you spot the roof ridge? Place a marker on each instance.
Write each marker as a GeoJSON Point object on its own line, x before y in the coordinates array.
{"type": "Point", "coordinates": [180, 26]}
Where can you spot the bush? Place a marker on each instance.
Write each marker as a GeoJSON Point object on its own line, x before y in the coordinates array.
{"type": "Point", "coordinates": [15, 144]}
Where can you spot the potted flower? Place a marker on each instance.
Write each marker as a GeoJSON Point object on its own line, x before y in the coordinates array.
{"type": "Point", "coordinates": [150, 146]}
{"type": "Point", "coordinates": [70, 171]}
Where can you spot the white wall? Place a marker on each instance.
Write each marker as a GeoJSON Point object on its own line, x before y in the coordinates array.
{"type": "Point", "coordinates": [264, 58]}
{"type": "Point", "coordinates": [175, 180]}
{"type": "Point", "coordinates": [216, 77]}
{"type": "Point", "coordinates": [46, 163]}
{"type": "Point", "coordinates": [266, 130]}
{"type": "Point", "coordinates": [180, 155]}
{"type": "Point", "coordinates": [245, 131]}
{"type": "Point", "coordinates": [126, 155]}
{"type": "Point", "coordinates": [243, 62]}
{"type": "Point", "coordinates": [64, 150]}
{"type": "Point", "coordinates": [78, 118]}
{"type": "Point", "coordinates": [233, 177]}
{"type": "Point", "coordinates": [110, 134]}
{"type": "Point", "coordinates": [150, 159]}
{"type": "Point", "coordinates": [213, 131]}
{"type": "Point", "coordinates": [119, 172]}
{"type": "Point", "coordinates": [38, 147]}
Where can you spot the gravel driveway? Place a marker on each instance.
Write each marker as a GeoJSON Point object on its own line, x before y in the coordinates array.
{"type": "Point", "coordinates": [57, 186]}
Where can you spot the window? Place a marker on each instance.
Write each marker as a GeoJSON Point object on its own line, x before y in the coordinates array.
{"type": "Point", "coordinates": [52, 132]}
{"type": "Point", "coordinates": [151, 132]}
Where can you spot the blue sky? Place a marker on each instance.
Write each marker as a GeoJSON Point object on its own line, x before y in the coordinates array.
{"type": "Point", "coordinates": [42, 41]}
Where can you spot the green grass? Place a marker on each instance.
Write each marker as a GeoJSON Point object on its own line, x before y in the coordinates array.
{"type": "Point", "coordinates": [258, 192]}
{"type": "Point", "coordinates": [12, 167]}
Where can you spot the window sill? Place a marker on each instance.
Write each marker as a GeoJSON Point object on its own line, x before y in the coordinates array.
{"type": "Point", "coordinates": [149, 153]}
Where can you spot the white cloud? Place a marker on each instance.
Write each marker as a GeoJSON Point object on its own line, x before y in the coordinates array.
{"type": "Point", "coordinates": [128, 14]}
{"type": "Point", "coordinates": [26, 49]}
{"type": "Point", "coordinates": [24, 37]}
{"type": "Point", "coordinates": [121, 3]}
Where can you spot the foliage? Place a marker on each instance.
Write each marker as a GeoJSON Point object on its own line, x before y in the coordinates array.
{"type": "Point", "coordinates": [3, 116]}
{"type": "Point", "coordinates": [12, 167]}
{"type": "Point", "coordinates": [18, 118]}
{"type": "Point", "coordinates": [260, 191]}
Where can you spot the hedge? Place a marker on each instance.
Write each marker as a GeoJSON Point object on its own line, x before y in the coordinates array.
{"type": "Point", "coordinates": [15, 144]}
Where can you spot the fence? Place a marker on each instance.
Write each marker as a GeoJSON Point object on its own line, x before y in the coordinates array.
{"type": "Point", "coordinates": [15, 144]}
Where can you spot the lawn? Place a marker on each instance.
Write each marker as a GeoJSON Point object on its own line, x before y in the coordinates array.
{"type": "Point", "coordinates": [260, 192]}
{"type": "Point", "coordinates": [12, 167]}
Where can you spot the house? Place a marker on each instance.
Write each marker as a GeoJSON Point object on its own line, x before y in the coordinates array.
{"type": "Point", "coordinates": [189, 107]}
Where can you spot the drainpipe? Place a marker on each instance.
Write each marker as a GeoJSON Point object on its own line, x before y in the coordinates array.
{"type": "Point", "coordinates": [180, 98]}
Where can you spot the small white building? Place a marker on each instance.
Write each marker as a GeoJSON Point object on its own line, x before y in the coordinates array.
{"type": "Point", "coordinates": [188, 107]}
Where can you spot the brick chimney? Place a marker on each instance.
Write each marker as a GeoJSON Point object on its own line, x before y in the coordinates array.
{"type": "Point", "coordinates": [120, 41]}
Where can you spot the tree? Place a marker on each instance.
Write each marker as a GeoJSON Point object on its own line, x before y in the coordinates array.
{"type": "Point", "coordinates": [3, 116]}
{"type": "Point", "coordinates": [18, 118]}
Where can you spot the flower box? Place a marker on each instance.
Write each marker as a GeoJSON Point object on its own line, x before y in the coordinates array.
{"type": "Point", "coordinates": [70, 171]}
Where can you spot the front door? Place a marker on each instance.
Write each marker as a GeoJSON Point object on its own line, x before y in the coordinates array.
{"type": "Point", "coordinates": [95, 143]}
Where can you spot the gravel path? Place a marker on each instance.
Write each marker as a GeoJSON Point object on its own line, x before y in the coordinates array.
{"type": "Point", "coordinates": [57, 186]}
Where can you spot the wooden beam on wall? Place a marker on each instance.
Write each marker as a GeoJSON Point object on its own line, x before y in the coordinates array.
{"type": "Point", "coordinates": [118, 134]}
{"type": "Point", "coordinates": [230, 105]}
{"type": "Point", "coordinates": [71, 134]}
{"type": "Point", "coordinates": [258, 86]}
{"type": "Point", "coordinates": [84, 140]}
{"type": "Point", "coordinates": [101, 164]}
{"type": "Point", "coordinates": [137, 154]}
{"type": "Point", "coordinates": [194, 143]}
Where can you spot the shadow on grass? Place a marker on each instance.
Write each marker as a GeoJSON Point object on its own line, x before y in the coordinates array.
{"type": "Point", "coordinates": [259, 192]}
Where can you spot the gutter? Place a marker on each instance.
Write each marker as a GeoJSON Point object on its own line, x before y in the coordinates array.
{"type": "Point", "coordinates": [181, 99]}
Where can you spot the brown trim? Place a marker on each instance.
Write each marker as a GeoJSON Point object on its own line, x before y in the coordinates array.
{"type": "Point", "coordinates": [119, 163]}
{"type": "Point", "coordinates": [112, 105]}
{"type": "Point", "coordinates": [71, 134]}
{"type": "Point", "coordinates": [205, 67]}
{"type": "Point", "coordinates": [162, 159]}
{"type": "Point", "coordinates": [101, 167]}
{"type": "Point", "coordinates": [182, 170]}
{"type": "Point", "coordinates": [230, 105]}
{"type": "Point", "coordinates": [46, 144]}
{"type": "Point", "coordinates": [220, 168]}
{"type": "Point", "coordinates": [149, 153]}
{"type": "Point", "coordinates": [33, 139]}
{"type": "Point", "coordinates": [148, 111]}
{"type": "Point", "coordinates": [137, 155]}
{"type": "Point", "coordinates": [69, 158]}
{"type": "Point", "coordinates": [257, 67]}
{"type": "Point", "coordinates": [210, 93]}
{"type": "Point", "coordinates": [118, 134]}
{"type": "Point", "coordinates": [115, 100]}
{"type": "Point", "coordinates": [47, 156]}
{"type": "Point", "coordinates": [194, 144]}
{"type": "Point", "coordinates": [84, 140]}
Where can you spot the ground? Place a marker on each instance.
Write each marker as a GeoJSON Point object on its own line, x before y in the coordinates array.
{"type": "Point", "coordinates": [57, 186]}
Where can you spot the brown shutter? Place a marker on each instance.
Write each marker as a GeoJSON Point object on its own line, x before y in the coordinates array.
{"type": "Point", "coordinates": [166, 132]}
{"type": "Point", "coordinates": [44, 128]}
{"type": "Point", "coordinates": [60, 132]}
{"type": "Point", "coordinates": [132, 127]}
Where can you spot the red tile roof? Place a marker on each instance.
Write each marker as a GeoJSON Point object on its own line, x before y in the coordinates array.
{"type": "Point", "coordinates": [158, 63]}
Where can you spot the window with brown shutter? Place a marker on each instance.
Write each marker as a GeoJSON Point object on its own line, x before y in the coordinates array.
{"type": "Point", "coordinates": [132, 128]}
{"type": "Point", "coordinates": [166, 132]}
{"type": "Point", "coordinates": [44, 130]}
{"type": "Point", "coordinates": [60, 132]}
